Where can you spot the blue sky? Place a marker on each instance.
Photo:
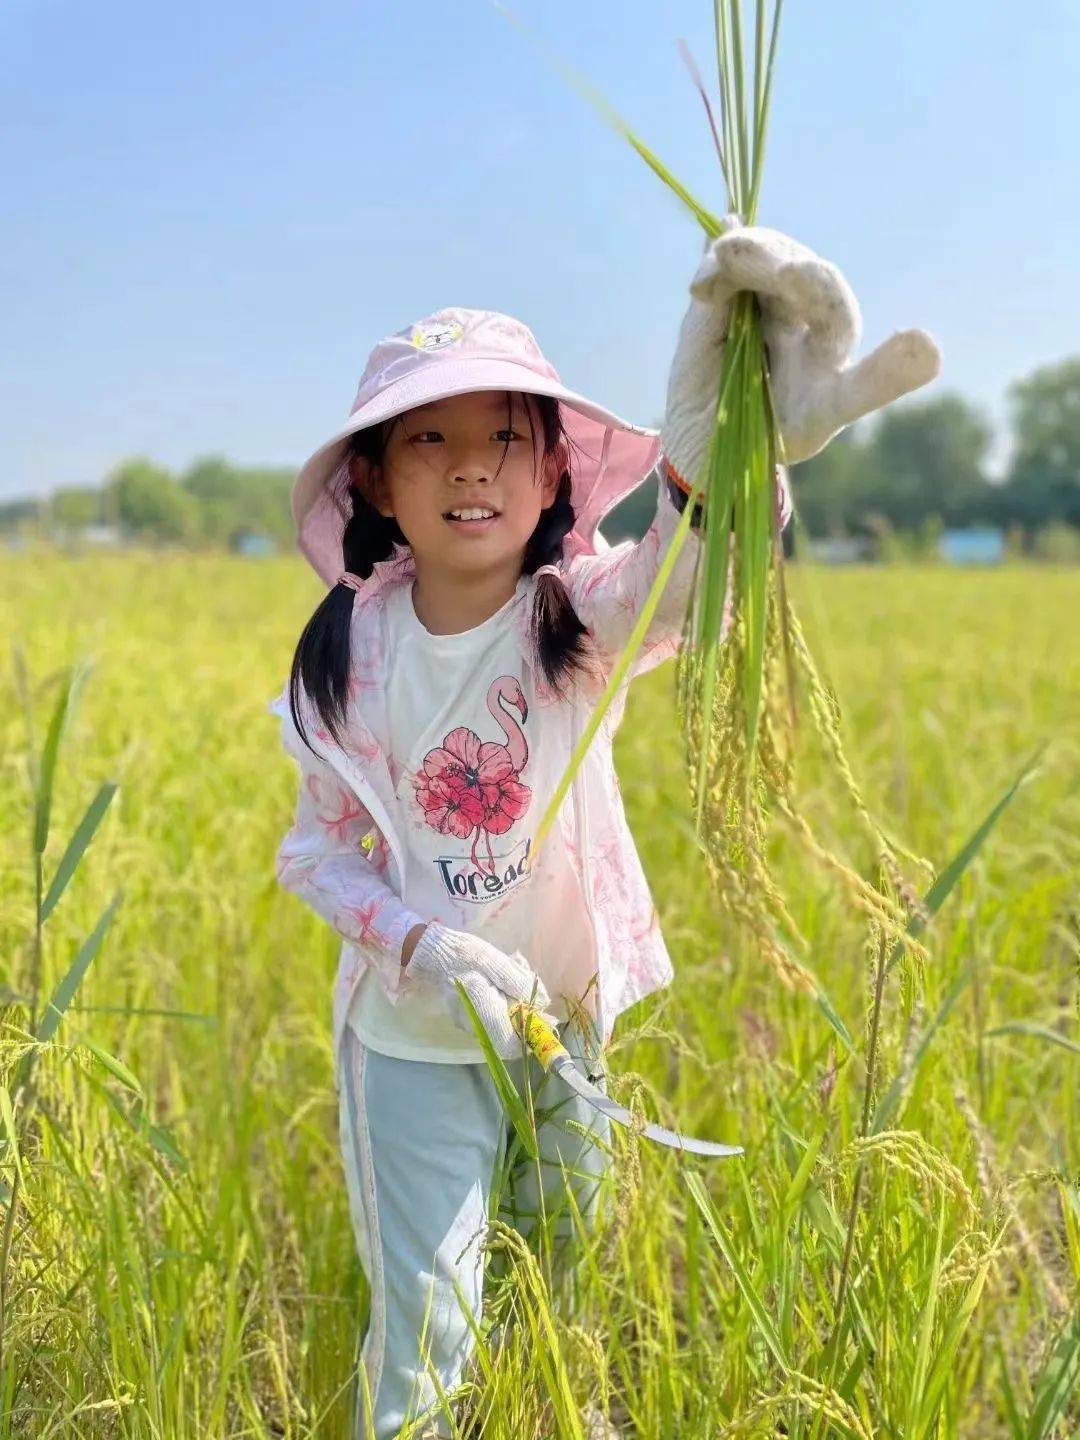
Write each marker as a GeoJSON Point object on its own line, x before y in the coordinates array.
{"type": "Point", "coordinates": [215, 210]}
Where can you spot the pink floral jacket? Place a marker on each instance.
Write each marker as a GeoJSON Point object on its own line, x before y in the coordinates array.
{"type": "Point", "coordinates": [343, 854]}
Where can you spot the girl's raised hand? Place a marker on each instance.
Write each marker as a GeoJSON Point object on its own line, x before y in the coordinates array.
{"type": "Point", "coordinates": [811, 324]}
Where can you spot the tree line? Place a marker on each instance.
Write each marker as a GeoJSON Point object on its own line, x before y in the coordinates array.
{"type": "Point", "coordinates": [928, 460]}
{"type": "Point", "coordinates": [917, 463]}
{"type": "Point", "coordinates": [210, 503]}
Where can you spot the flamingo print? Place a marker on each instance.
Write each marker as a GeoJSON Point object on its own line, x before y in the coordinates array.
{"type": "Point", "coordinates": [469, 786]}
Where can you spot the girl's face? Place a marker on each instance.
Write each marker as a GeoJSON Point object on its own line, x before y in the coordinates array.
{"type": "Point", "coordinates": [449, 455]}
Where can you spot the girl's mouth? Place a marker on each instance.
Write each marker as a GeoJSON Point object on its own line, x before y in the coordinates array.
{"type": "Point", "coordinates": [474, 525]}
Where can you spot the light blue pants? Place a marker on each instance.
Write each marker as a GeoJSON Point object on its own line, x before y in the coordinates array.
{"type": "Point", "coordinates": [427, 1149]}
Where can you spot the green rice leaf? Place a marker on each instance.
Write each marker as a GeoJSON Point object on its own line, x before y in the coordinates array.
{"type": "Point", "coordinates": [730, 1252]}
{"type": "Point", "coordinates": [889, 1104]}
{"type": "Point", "coordinates": [828, 1009]}
{"type": "Point", "coordinates": [926, 1331]}
{"type": "Point", "coordinates": [115, 1067]}
{"type": "Point", "coordinates": [947, 881]}
{"type": "Point", "coordinates": [504, 1085]}
{"type": "Point", "coordinates": [202, 1017]}
{"type": "Point", "coordinates": [699, 84]}
{"type": "Point", "coordinates": [799, 1181]}
{"type": "Point", "coordinates": [7, 1115]}
{"type": "Point", "coordinates": [763, 115]}
{"type": "Point", "coordinates": [755, 550]}
{"type": "Point", "coordinates": [945, 1355]}
{"type": "Point", "coordinates": [1031, 1027]}
{"type": "Point", "coordinates": [738, 78]}
{"type": "Point", "coordinates": [65, 991]}
{"type": "Point", "coordinates": [709, 222]}
{"type": "Point", "coordinates": [1058, 1383]}
{"type": "Point", "coordinates": [728, 105]}
{"type": "Point", "coordinates": [943, 886]}
{"type": "Point", "coordinates": [84, 833]}
{"type": "Point", "coordinates": [156, 1136]}
{"type": "Point", "coordinates": [70, 684]}
{"type": "Point", "coordinates": [759, 57]}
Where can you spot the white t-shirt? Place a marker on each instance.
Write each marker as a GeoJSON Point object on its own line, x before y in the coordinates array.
{"type": "Point", "coordinates": [473, 777]}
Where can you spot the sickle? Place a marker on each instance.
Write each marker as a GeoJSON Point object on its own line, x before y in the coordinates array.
{"type": "Point", "coordinates": [553, 1055]}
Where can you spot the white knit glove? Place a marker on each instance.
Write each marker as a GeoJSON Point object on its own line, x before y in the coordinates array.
{"type": "Point", "coordinates": [810, 322]}
{"type": "Point", "coordinates": [492, 981]}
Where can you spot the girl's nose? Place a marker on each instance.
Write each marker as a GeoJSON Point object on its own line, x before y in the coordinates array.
{"type": "Point", "coordinates": [468, 467]}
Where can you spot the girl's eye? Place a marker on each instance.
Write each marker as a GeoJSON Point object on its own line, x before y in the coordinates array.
{"type": "Point", "coordinates": [510, 434]}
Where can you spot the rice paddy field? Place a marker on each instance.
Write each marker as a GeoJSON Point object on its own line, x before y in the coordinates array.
{"type": "Point", "coordinates": [177, 1255]}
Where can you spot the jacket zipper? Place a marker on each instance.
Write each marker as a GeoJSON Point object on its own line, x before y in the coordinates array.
{"type": "Point", "coordinates": [376, 809]}
{"type": "Point", "coordinates": [581, 817]}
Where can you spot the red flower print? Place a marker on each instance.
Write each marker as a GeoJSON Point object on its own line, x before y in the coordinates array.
{"type": "Point", "coordinates": [469, 786]}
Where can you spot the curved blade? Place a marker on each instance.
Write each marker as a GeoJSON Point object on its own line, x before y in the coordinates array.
{"type": "Point", "coordinates": [552, 1054]}
{"type": "Point", "coordinates": [565, 1066]}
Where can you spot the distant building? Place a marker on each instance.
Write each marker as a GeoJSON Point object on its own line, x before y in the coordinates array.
{"type": "Point", "coordinates": [984, 546]}
{"type": "Point", "coordinates": [252, 542]}
{"type": "Point", "coordinates": [101, 535]}
{"type": "Point", "coordinates": [75, 537]}
{"type": "Point", "coordinates": [841, 549]}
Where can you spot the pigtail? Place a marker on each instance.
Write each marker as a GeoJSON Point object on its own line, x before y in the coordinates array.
{"type": "Point", "coordinates": [562, 643]}
{"type": "Point", "coordinates": [321, 663]}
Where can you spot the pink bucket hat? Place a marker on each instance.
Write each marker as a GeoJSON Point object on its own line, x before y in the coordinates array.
{"type": "Point", "coordinates": [450, 352]}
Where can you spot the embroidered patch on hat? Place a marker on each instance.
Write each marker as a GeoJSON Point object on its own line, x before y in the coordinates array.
{"type": "Point", "coordinates": [435, 336]}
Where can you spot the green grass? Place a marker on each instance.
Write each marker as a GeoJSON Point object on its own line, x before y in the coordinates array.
{"type": "Point", "coordinates": [199, 1279]}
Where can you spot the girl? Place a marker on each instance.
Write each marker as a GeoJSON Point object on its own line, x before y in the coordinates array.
{"type": "Point", "coordinates": [436, 694]}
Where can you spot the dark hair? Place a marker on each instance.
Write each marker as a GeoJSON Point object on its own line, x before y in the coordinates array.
{"type": "Point", "coordinates": [562, 643]}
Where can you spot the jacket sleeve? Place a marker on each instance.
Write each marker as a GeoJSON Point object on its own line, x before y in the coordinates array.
{"type": "Point", "coordinates": [609, 590]}
{"type": "Point", "coordinates": [324, 859]}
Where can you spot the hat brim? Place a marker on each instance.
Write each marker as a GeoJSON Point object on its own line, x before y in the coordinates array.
{"type": "Point", "coordinates": [610, 456]}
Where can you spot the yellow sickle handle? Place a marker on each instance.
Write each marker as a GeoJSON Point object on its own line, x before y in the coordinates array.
{"type": "Point", "coordinates": [539, 1036]}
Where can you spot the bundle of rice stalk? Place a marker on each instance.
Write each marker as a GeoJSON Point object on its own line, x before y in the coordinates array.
{"type": "Point", "coordinates": [743, 653]}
